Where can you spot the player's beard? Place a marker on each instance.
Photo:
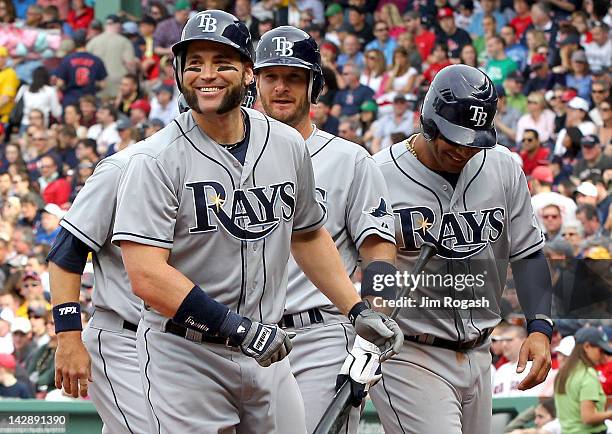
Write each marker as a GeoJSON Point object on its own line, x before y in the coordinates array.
{"type": "Point", "coordinates": [234, 96]}
{"type": "Point", "coordinates": [291, 119]}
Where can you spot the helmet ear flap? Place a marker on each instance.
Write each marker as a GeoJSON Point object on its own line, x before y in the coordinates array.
{"type": "Point", "coordinates": [177, 65]}
{"type": "Point", "coordinates": [318, 82]}
{"type": "Point", "coordinates": [429, 127]}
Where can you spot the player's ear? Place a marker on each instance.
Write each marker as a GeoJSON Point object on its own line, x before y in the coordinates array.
{"type": "Point", "coordinates": [248, 74]}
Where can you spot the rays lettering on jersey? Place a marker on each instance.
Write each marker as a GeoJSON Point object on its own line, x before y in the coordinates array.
{"type": "Point", "coordinates": [460, 235]}
{"type": "Point", "coordinates": [255, 208]}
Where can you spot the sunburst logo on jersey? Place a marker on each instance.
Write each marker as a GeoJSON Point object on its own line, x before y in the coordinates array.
{"type": "Point", "coordinates": [424, 224]}
{"type": "Point", "coordinates": [217, 201]}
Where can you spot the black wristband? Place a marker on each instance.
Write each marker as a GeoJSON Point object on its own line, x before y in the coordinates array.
{"type": "Point", "coordinates": [200, 312]}
{"type": "Point", "coordinates": [67, 317]}
{"type": "Point", "coordinates": [540, 325]}
{"type": "Point", "coordinates": [356, 310]}
{"type": "Point", "coordinates": [379, 280]}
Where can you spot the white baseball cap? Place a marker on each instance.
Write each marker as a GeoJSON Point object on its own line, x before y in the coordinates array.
{"type": "Point", "coordinates": [587, 189]}
{"type": "Point", "coordinates": [55, 210]}
{"type": "Point", "coordinates": [7, 315]}
{"type": "Point", "coordinates": [21, 324]}
{"type": "Point", "coordinates": [578, 103]}
{"type": "Point", "coordinates": [566, 346]}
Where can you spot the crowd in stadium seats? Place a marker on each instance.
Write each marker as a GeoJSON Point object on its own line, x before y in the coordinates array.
{"type": "Point", "coordinates": [75, 89]}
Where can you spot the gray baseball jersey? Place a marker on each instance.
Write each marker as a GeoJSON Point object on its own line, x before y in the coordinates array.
{"type": "Point", "coordinates": [117, 387]}
{"type": "Point", "coordinates": [353, 192]}
{"type": "Point", "coordinates": [228, 228]}
{"type": "Point", "coordinates": [479, 226]}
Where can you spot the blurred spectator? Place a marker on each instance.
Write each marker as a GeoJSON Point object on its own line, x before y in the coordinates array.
{"type": "Point", "coordinates": [468, 56]}
{"type": "Point", "coordinates": [488, 8]}
{"type": "Point", "coordinates": [21, 331]}
{"type": "Point", "coordinates": [105, 131]}
{"type": "Point", "coordinates": [541, 20]}
{"type": "Point", "coordinates": [438, 60]}
{"type": "Point", "coordinates": [42, 147]}
{"type": "Point", "coordinates": [80, 15]}
{"type": "Point", "coordinates": [128, 93]}
{"type": "Point", "coordinates": [55, 189]}
{"type": "Point", "coordinates": [34, 16]}
{"type": "Point", "coordinates": [593, 161]}
{"type": "Point", "coordinates": [32, 292]}
{"type": "Point", "coordinates": [149, 61]}
{"type": "Point", "coordinates": [7, 12]}
{"type": "Point", "coordinates": [542, 195]}
{"type": "Point", "coordinates": [537, 118]}
{"type": "Point", "coordinates": [576, 117]}
{"type": "Point", "coordinates": [453, 37]}
{"type": "Point", "coordinates": [550, 215]}
{"type": "Point", "coordinates": [423, 38]}
{"type": "Point", "coordinates": [589, 218]}
{"type": "Point", "coordinates": [401, 120]}
{"type": "Point", "coordinates": [152, 126]}
{"type": "Point", "coordinates": [117, 53]}
{"type": "Point", "coordinates": [599, 51]}
{"type": "Point", "coordinates": [578, 77]}
{"type": "Point", "coordinates": [406, 41]}
{"type": "Point", "coordinates": [41, 366]}
{"type": "Point", "coordinates": [374, 71]}
{"type": "Point", "coordinates": [514, 92]}
{"type": "Point", "coordinates": [139, 112]}
{"type": "Point", "coordinates": [544, 418]}
{"type": "Point", "coordinates": [67, 140]}
{"type": "Point", "coordinates": [506, 379]}
{"type": "Point", "coordinates": [163, 105]}
{"type": "Point", "coordinates": [30, 211]}
{"type": "Point", "coordinates": [8, 86]}
{"type": "Point", "coordinates": [40, 95]}
{"type": "Point", "coordinates": [533, 153]}
{"type": "Point", "coordinates": [349, 130]}
{"type": "Point", "coordinates": [242, 10]}
{"type": "Point", "coordinates": [605, 130]}
{"type": "Point", "coordinates": [514, 50]}
{"type": "Point", "coordinates": [335, 22]}
{"type": "Point", "coordinates": [499, 66]}
{"type": "Point", "coordinates": [522, 20]}
{"type": "Point", "coordinates": [489, 27]}
{"type": "Point", "coordinates": [84, 170]}
{"type": "Point", "coordinates": [323, 119]}
{"type": "Point", "coordinates": [49, 224]}
{"type": "Point", "coordinates": [10, 387]}
{"type": "Point", "coordinates": [390, 15]}
{"type": "Point", "coordinates": [37, 316]}
{"type": "Point", "coordinates": [586, 193]}
{"type": "Point", "coordinates": [498, 336]}
{"type": "Point", "coordinates": [351, 51]}
{"type": "Point", "coordinates": [80, 73]}
{"type": "Point", "coordinates": [348, 100]}
{"type": "Point", "coordinates": [87, 108]}
{"type": "Point", "coordinates": [87, 149]}
{"type": "Point", "coordinates": [368, 113]}
{"type": "Point", "coordinates": [506, 119]}
{"type": "Point", "coordinates": [600, 92]}
{"type": "Point", "coordinates": [383, 42]}
{"type": "Point", "coordinates": [401, 78]}
{"type": "Point", "coordinates": [579, 397]}
{"type": "Point", "coordinates": [158, 10]}
{"type": "Point", "coordinates": [358, 25]}
{"type": "Point", "coordinates": [543, 78]}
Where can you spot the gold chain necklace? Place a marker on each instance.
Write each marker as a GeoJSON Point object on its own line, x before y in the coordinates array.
{"type": "Point", "coordinates": [410, 146]}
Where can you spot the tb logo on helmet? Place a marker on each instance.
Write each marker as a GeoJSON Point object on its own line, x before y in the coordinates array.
{"type": "Point", "coordinates": [208, 24]}
{"type": "Point", "coordinates": [284, 47]}
{"type": "Point", "coordinates": [479, 116]}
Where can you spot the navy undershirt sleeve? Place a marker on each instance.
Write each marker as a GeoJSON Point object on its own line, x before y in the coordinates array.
{"type": "Point", "coordinates": [69, 252]}
{"type": "Point", "coordinates": [533, 284]}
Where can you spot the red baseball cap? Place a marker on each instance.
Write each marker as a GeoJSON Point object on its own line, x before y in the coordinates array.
{"type": "Point", "coordinates": [445, 13]}
{"type": "Point", "coordinates": [30, 275]}
{"type": "Point", "coordinates": [542, 174]}
{"type": "Point", "coordinates": [141, 104]}
{"type": "Point", "coordinates": [538, 59]}
{"type": "Point", "coordinates": [568, 95]}
{"type": "Point", "coordinates": [7, 361]}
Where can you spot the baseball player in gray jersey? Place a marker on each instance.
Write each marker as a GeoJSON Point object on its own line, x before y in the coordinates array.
{"type": "Point", "coordinates": [450, 185]}
{"type": "Point", "coordinates": [110, 337]}
{"type": "Point", "coordinates": [206, 230]}
{"type": "Point", "coordinates": [351, 189]}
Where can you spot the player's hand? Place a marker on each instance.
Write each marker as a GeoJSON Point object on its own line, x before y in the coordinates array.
{"type": "Point", "coordinates": [382, 331]}
{"type": "Point", "coordinates": [536, 349]}
{"type": "Point", "coordinates": [72, 364]}
{"type": "Point", "coordinates": [266, 343]}
{"type": "Point", "coordinates": [361, 368]}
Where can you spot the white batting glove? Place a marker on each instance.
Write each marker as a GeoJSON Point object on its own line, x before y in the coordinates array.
{"type": "Point", "coordinates": [361, 368]}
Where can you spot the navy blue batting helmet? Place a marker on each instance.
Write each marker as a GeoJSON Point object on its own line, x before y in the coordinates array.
{"type": "Point", "coordinates": [460, 105]}
{"type": "Point", "coordinates": [212, 25]}
{"type": "Point", "coordinates": [290, 46]}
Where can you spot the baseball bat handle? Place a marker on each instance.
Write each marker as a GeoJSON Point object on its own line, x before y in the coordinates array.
{"type": "Point", "coordinates": [331, 421]}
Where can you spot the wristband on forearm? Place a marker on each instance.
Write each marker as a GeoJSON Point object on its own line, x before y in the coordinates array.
{"type": "Point", "coordinates": [356, 310]}
{"type": "Point", "coordinates": [379, 280]}
{"type": "Point", "coordinates": [67, 317]}
{"type": "Point", "coordinates": [540, 325]}
{"type": "Point", "coordinates": [201, 313]}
